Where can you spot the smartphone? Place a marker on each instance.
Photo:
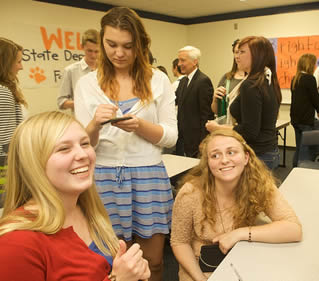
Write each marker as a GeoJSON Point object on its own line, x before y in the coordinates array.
{"type": "Point", "coordinates": [118, 119]}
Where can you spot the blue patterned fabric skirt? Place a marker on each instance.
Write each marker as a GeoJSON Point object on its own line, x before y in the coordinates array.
{"type": "Point", "coordinates": [138, 199]}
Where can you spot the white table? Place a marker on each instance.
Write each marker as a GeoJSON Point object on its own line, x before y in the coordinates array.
{"type": "Point", "coordinates": [283, 124]}
{"type": "Point", "coordinates": [282, 262]}
{"type": "Point", "coordinates": [178, 164]}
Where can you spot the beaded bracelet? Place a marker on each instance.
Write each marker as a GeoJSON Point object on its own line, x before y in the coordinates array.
{"type": "Point", "coordinates": [249, 235]}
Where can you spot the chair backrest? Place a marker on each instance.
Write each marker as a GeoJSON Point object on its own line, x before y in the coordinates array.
{"type": "Point", "coordinates": [310, 137]}
{"type": "Point", "coordinates": [309, 150]}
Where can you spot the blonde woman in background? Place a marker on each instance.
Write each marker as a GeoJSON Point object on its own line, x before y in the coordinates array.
{"type": "Point", "coordinates": [304, 103]}
{"type": "Point", "coordinates": [54, 226]}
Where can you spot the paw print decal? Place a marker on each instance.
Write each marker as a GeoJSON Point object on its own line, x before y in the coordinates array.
{"type": "Point", "coordinates": [37, 74]}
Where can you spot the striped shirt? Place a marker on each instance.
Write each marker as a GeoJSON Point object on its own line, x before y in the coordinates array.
{"type": "Point", "coordinates": [10, 118]}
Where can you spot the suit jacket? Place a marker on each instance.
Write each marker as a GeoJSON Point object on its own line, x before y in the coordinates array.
{"type": "Point", "coordinates": [194, 110]}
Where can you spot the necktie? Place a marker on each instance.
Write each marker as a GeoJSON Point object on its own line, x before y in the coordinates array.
{"type": "Point", "coordinates": [184, 87]}
{"type": "Point", "coordinates": [186, 81]}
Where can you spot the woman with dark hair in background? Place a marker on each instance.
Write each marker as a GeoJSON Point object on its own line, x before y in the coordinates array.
{"type": "Point", "coordinates": [304, 102]}
{"type": "Point", "coordinates": [256, 107]}
{"type": "Point", "coordinates": [11, 98]}
{"type": "Point", "coordinates": [177, 73]}
{"type": "Point", "coordinates": [130, 175]}
{"type": "Point", "coordinates": [162, 68]}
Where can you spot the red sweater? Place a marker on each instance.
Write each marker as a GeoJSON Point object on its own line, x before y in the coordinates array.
{"type": "Point", "coordinates": [34, 256]}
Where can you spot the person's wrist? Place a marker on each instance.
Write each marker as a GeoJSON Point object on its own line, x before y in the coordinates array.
{"type": "Point", "coordinates": [242, 234]}
{"type": "Point", "coordinates": [249, 234]}
{"type": "Point", "coordinates": [245, 234]}
{"type": "Point", "coordinates": [96, 126]}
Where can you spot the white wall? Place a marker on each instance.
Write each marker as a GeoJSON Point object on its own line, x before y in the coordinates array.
{"type": "Point", "coordinates": [214, 39]}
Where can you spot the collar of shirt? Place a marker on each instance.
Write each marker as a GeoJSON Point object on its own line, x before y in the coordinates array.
{"type": "Point", "coordinates": [180, 77]}
{"type": "Point", "coordinates": [191, 75]}
{"type": "Point", "coordinates": [84, 65]}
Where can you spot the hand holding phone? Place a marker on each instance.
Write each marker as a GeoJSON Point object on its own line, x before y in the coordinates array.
{"type": "Point", "coordinates": [115, 120]}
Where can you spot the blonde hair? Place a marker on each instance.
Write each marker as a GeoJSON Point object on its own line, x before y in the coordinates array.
{"type": "Point", "coordinates": [90, 35]}
{"type": "Point", "coordinates": [306, 63]}
{"type": "Point", "coordinates": [254, 191]}
{"type": "Point", "coordinates": [8, 56]}
{"type": "Point", "coordinates": [30, 148]}
{"type": "Point", "coordinates": [141, 72]}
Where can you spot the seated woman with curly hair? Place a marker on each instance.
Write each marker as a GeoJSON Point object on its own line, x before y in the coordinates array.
{"type": "Point", "coordinates": [220, 201]}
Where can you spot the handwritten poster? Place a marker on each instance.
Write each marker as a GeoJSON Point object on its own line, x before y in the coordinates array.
{"type": "Point", "coordinates": [288, 50]}
{"type": "Point", "coordinates": [47, 50]}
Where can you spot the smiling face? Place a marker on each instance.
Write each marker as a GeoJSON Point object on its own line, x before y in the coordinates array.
{"type": "Point", "coordinates": [70, 168]}
{"type": "Point", "coordinates": [244, 58]}
{"type": "Point", "coordinates": [118, 47]}
{"type": "Point", "coordinates": [226, 159]}
{"type": "Point", "coordinates": [186, 63]}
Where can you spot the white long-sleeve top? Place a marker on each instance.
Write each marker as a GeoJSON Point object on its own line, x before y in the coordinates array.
{"type": "Point", "coordinates": [117, 147]}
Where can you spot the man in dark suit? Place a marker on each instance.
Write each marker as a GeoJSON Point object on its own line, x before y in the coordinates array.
{"type": "Point", "coordinates": [193, 97]}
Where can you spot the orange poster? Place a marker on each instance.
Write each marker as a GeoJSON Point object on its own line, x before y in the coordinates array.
{"type": "Point", "coordinates": [288, 50]}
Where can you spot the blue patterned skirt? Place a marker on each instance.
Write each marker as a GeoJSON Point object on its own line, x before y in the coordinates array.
{"type": "Point", "coordinates": [138, 199]}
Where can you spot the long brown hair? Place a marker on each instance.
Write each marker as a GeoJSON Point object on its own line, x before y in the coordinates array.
{"type": "Point", "coordinates": [254, 190]}
{"type": "Point", "coordinates": [141, 72]}
{"type": "Point", "coordinates": [8, 56]}
{"type": "Point", "coordinates": [306, 63]}
{"type": "Point", "coordinates": [234, 68]}
{"type": "Point", "coordinates": [262, 55]}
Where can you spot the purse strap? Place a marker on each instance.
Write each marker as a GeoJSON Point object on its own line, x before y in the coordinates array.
{"type": "Point", "coordinates": [227, 86]}
{"type": "Point", "coordinates": [211, 266]}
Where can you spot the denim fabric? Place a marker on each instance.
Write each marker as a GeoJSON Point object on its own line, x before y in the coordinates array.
{"type": "Point", "coordinates": [96, 250]}
{"type": "Point", "coordinates": [271, 158]}
{"type": "Point", "coordinates": [304, 153]}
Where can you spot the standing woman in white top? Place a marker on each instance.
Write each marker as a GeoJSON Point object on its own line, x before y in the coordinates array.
{"type": "Point", "coordinates": [131, 178]}
{"type": "Point", "coordinates": [11, 98]}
